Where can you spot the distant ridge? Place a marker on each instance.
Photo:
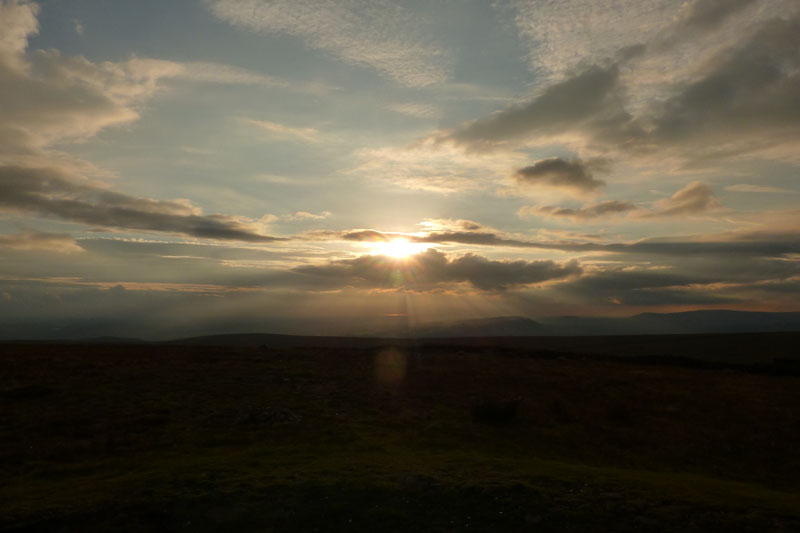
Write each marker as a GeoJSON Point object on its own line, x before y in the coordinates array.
{"type": "Point", "coordinates": [689, 322]}
{"type": "Point", "coordinates": [726, 348]}
{"type": "Point", "coordinates": [501, 326]}
{"type": "Point", "coordinates": [685, 323]}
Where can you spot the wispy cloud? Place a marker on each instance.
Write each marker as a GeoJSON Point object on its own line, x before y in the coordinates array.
{"type": "Point", "coordinates": [746, 187]}
{"type": "Point", "coordinates": [378, 34]}
{"type": "Point", "coordinates": [276, 129]}
{"type": "Point", "coordinates": [435, 168]}
{"type": "Point", "coordinates": [414, 109]}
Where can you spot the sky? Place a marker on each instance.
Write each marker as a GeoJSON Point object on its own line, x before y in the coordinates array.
{"type": "Point", "coordinates": [354, 166]}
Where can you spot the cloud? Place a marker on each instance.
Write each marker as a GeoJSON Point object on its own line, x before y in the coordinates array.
{"type": "Point", "coordinates": [779, 238]}
{"type": "Point", "coordinates": [380, 35]}
{"type": "Point", "coordinates": [275, 129]}
{"type": "Point", "coordinates": [415, 109]}
{"type": "Point", "coordinates": [746, 187]}
{"type": "Point", "coordinates": [749, 91]}
{"type": "Point", "coordinates": [51, 98]}
{"type": "Point", "coordinates": [570, 105]}
{"type": "Point", "coordinates": [723, 99]}
{"type": "Point", "coordinates": [559, 34]}
{"type": "Point", "coordinates": [644, 287]}
{"type": "Point", "coordinates": [706, 14]}
{"type": "Point", "coordinates": [481, 237]}
{"type": "Point", "coordinates": [208, 72]}
{"type": "Point", "coordinates": [439, 224]}
{"type": "Point", "coordinates": [432, 268]}
{"type": "Point", "coordinates": [432, 167]}
{"type": "Point", "coordinates": [573, 175]}
{"type": "Point", "coordinates": [695, 198]}
{"type": "Point", "coordinates": [305, 215]}
{"type": "Point", "coordinates": [52, 193]}
{"type": "Point", "coordinates": [36, 240]}
{"type": "Point", "coordinates": [592, 211]}
{"type": "Point", "coordinates": [17, 22]}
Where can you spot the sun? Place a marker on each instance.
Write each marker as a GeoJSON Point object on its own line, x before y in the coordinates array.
{"type": "Point", "coordinates": [397, 248]}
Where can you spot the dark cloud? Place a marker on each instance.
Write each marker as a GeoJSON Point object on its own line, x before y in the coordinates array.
{"type": "Point", "coordinates": [696, 198]}
{"type": "Point", "coordinates": [483, 237]}
{"type": "Point", "coordinates": [611, 207]}
{"type": "Point", "coordinates": [432, 268]}
{"type": "Point", "coordinates": [708, 14]}
{"type": "Point", "coordinates": [52, 193]}
{"type": "Point", "coordinates": [625, 286]}
{"type": "Point", "coordinates": [752, 90]}
{"type": "Point", "coordinates": [560, 173]}
{"type": "Point", "coordinates": [366, 235]}
{"type": "Point", "coordinates": [743, 99]}
{"type": "Point", "coordinates": [566, 106]}
{"type": "Point", "coordinates": [760, 244]}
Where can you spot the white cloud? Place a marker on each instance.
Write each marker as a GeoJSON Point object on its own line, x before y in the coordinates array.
{"type": "Point", "coordinates": [378, 34]}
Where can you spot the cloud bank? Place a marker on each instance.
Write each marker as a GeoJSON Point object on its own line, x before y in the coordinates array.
{"type": "Point", "coordinates": [432, 268]}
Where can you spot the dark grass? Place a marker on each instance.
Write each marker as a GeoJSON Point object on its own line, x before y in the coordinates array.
{"type": "Point", "coordinates": [170, 437]}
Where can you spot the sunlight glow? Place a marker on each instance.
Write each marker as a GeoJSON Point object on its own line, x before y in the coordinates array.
{"type": "Point", "coordinates": [398, 248]}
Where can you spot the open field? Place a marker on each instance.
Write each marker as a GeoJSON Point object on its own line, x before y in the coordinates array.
{"type": "Point", "coordinates": [368, 435]}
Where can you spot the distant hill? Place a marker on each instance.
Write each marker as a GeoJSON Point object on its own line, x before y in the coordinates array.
{"type": "Point", "coordinates": [690, 322]}
{"type": "Point", "coordinates": [502, 326]}
{"type": "Point", "coordinates": [715, 321]}
{"type": "Point", "coordinates": [727, 348]}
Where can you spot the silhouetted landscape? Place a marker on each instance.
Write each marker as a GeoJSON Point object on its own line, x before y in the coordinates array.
{"type": "Point", "coordinates": [271, 432]}
{"type": "Point", "coordinates": [400, 265]}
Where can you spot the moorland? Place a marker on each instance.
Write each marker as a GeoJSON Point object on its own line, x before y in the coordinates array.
{"type": "Point", "coordinates": [272, 433]}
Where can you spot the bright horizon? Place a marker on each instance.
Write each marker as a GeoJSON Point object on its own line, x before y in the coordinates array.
{"type": "Point", "coordinates": [336, 166]}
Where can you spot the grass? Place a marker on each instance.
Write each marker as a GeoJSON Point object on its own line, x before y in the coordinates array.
{"type": "Point", "coordinates": [157, 437]}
